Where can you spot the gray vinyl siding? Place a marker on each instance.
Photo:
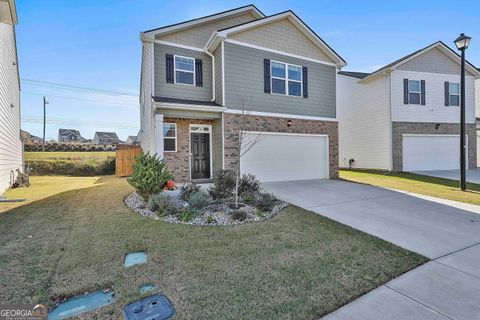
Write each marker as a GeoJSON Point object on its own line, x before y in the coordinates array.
{"type": "Point", "coordinates": [218, 74]}
{"type": "Point", "coordinates": [244, 81]}
{"type": "Point", "coordinates": [181, 91]}
{"type": "Point", "coordinates": [432, 61]}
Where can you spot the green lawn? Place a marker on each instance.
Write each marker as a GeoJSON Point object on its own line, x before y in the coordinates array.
{"type": "Point", "coordinates": [430, 186]}
{"type": "Point", "coordinates": [69, 156]}
{"type": "Point", "coordinates": [298, 265]}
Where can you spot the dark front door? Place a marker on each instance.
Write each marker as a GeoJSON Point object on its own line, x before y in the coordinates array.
{"type": "Point", "coordinates": [200, 148]}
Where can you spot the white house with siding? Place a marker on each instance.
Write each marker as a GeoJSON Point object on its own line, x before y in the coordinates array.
{"type": "Point", "coordinates": [405, 116]}
{"type": "Point", "coordinates": [11, 149]}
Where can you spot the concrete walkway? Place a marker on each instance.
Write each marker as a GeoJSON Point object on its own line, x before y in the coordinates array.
{"type": "Point", "coordinates": [473, 176]}
{"type": "Point", "coordinates": [445, 288]}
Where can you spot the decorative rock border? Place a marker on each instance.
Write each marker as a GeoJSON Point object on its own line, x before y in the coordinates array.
{"type": "Point", "coordinates": [137, 204]}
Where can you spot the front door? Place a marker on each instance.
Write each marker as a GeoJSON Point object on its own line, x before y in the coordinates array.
{"type": "Point", "coordinates": [200, 149]}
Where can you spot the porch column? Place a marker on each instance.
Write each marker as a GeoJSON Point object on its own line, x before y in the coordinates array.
{"type": "Point", "coordinates": [159, 135]}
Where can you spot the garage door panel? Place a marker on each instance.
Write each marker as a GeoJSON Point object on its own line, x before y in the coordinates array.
{"type": "Point", "coordinates": [282, 157]}
{"type": "Point", "coordinates": [429, 152]}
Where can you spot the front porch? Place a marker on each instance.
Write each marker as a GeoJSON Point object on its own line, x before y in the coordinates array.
{"type": "Point", "coordinates": [190, 143]}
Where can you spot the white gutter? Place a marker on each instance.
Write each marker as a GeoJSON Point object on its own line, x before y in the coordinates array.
{"type": "Point", "coordinates": [213, 73]}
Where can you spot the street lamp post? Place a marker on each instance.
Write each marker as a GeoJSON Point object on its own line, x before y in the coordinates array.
{"type": "Point", "coordinates": [45, 102]}
{"type": "Point", "coordinates": [462, 43]}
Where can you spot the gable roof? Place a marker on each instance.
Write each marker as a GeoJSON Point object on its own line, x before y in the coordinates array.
{"type": "Point", "coordinates": [222, 34]}
{"type": "Point", "coordinates": [112, 135]}
{"type": "Point", "coordinates": [358, 75]}
{"type": "Point", "coordinates": [216, 16]}
{"type": "Point", "coordinates": [440, 45]}
{"type": "Point", "coordinates": [8, 12]}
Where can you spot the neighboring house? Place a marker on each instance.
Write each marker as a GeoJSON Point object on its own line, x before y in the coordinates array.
{"type": "Point", "coordinates": [11, 149]}
{"type": "Point", "coordinates": [70, 135]}
{"type": "Point", "coordinates": [132, 140]}
{"type": "Point", "coordinates": [27, 137]}
{"type": "Point", "coordinates": [106, 138]}
{"type": "Point", "coordinates": [204, 80]}
{"type": "Point", "coordinates": [477, 114]}
{"type": "Point", "coordinates": [405, 116]}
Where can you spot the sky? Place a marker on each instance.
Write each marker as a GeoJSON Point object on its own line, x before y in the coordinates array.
{"type": "Point", "coordinates": [85, 56]}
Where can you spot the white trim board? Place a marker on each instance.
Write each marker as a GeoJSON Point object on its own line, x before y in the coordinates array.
{"type": "Point", "coordinates": [283, 53]}
{"type": "Point", "coordinates": [189, 107]}
{"type": "Point", "coordinates": [178, 45]}
{"type": "Point", "coordinates": [279, 115]}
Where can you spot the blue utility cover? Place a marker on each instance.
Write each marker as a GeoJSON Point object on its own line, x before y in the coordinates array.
{"type": "Point", "coordinates": [156, 307]}
{"type": "Point", "coordinates": [80, 304]}
{"type": "Point", "coordinates": [135, 258]}
{"type": "Point", "coordinates": [146, 287]}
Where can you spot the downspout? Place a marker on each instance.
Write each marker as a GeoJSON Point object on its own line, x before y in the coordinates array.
{"type": "Point", "coordinates": [213, 73]}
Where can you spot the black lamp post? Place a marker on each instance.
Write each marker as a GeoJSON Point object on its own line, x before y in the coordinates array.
{"type": "Point", "coordinates": [462, 43]}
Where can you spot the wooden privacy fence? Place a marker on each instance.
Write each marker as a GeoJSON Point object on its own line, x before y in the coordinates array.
{"type": "Point", "coordinates": [125, 158]}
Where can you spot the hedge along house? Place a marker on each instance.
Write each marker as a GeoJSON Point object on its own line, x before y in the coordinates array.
{"type": "Point", "coordinates": [205, 80]}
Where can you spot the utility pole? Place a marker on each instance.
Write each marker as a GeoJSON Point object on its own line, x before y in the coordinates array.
{"type": "Point", "coordinates": [45, 102]}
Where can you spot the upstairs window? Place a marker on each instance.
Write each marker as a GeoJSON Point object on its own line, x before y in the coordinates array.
{"type": "Point", "coordinates": [286, 78]}
{"type": "Point", "coordinates": [454, 94]}
{"type": "Point", "coordinates": [184, 70]}
{"type": "Point", "coordinates": [414, 91]}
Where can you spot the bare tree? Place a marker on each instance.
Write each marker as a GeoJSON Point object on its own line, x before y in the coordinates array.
{"type": "Point", "coordinates": [246, 142]}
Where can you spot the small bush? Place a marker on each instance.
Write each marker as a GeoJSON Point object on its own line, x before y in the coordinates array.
{"type": "Point", "coordinates": [149, 175]}
{"type": "Point", "coordinates": [187, 190]}
{"type": "Point", "coordinates": [199, 200]}
{"type": "Point", "coordinates": [223, 184]}
{"type": "Point", "coordinates": [265, 201]}
{"type": "Point", "coordinates": [210, 220]}
{"type": "Point", "coordinates": [239, 215]}
{"type": "Point", "coordinates": [162, 204]}
{"type": "Point", "coordinates": [248, 184]}
{"type": "Point", "coordinates": [187, 215]}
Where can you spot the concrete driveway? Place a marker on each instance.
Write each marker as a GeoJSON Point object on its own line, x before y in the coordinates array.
{"type": "Point", "coordinates": [472, 175]}
{"type": "Point", "coordinates": [445, 288]}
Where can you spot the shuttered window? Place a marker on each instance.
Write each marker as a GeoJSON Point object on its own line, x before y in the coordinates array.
{"type": "Point", "coordinates": [184, 70]}
{"type": "Point", "coordinates": [286, 78]}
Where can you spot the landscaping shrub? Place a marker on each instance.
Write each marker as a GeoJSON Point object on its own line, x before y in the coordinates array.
{"type": "Point", "coordinates": [210, 220]}
{"type": "Point", "coordinates": [239, 215]}
{"type": "Point", "coordinates": [72, 168]}
{"type": "Point", "coordinates": [187, 215]}
{"type": "Point", "coordinates": [199, 200]}
{"type": "Point", "coordinates": [265, 201]}
{"type": "Point", "coordinates": [187, 190]}
{"type": "Point", "coordinates": [160, 203]}
{"type": "Point", "coordinates": [248, 184]}
{"type": "Point", "coordinates": [149, 175]}
{"type": "Point", "coordinates": [223, 184]}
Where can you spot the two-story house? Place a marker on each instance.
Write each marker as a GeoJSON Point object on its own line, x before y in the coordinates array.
{"type": "Point", "coordinates": [106, 138]}
{"type": "Point", "coordinates": [206, 80]}
{"type": "Point", "coordinates": [11, 148]}
{"type": "Point", "coordinates": [70, 135]}
{"type": "Point", "coordinates": [405, 116]}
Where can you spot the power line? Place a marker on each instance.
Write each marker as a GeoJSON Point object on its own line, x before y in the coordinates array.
{"type": "Point", "coordinates": [57, 85]}
{"type": "Point", "coordinates": [81, 99]}
{"type": "Point", "coordinates": [73, 122]}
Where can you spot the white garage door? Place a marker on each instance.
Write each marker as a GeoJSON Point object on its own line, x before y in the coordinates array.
{"type": "Point", "coordinates": [283, 157]}
{"type": "Point", "coordinates": [431, 152]}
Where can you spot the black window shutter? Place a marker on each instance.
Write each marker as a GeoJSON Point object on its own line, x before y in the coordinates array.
{"type": "Point", "coordinates": [198, 73]}
{"type": "Point", "coordinates": [405, 91]}
{"type": "Point", "coordinates": [305, 81]}
{"type": "Point", "coordinates": [447, 93]}
{"type": "Point", "coordinates": [422, 92]}
{"type": "Point", "coordinates": [169, 68]}
{"type": "Point", "coordinates": [266, 76]}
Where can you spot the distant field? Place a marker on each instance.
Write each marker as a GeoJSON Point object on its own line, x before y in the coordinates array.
{"type": "Point", "coordinates": [68, 156]}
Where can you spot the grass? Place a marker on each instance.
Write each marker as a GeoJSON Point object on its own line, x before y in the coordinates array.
{"type": "Point", "coordinates": [298, 265]}
{"type": "Point", "coordinates": [430, 186]}
{"type": "Point", "coordinates": [68, 156]}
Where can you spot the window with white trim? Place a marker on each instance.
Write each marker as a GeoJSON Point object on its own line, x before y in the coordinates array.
{"type": "Point", "coordinates": [170, 137]}
{"type": "Point", "coordinates": [286, 78]}
{"type": "Point", "coordinates": [184, 70]}
{"type": "Point", "coordinates": [414, 91]}
{"type": "Point", "coordinates": [453, 94]}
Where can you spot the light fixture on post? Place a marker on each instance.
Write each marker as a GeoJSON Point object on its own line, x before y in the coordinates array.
{"type": "Point", "coordinates": [289, 123]}
{"type": "Point", "coordinates": [462, 43]}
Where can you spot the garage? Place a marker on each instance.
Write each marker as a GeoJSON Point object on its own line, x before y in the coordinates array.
{"type": "Point", "coordinates": [431, 152]}
{"type": "Point", "coordinates": [284, 157]}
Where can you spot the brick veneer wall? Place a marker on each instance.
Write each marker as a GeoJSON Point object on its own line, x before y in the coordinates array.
{"type": "Point", "coordinates": [400, 128]}
{"type": "Point", "coordinates": [178, 163]}
{"type": "Point", "coordinates": [233, 123]}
